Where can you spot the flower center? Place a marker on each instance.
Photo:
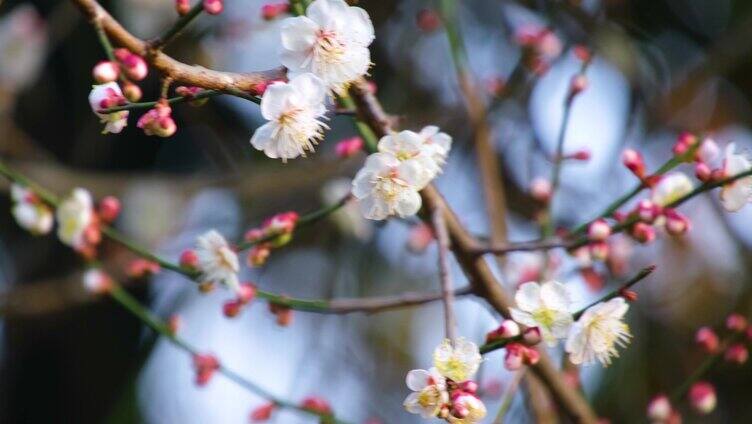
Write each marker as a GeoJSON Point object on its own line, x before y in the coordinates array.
{"type": "Point", "coordinates": [545, 317]}
{"type": "Point", "coordinates": [389, 187]}
{"type": "Point", "coordinates": [328, 47]}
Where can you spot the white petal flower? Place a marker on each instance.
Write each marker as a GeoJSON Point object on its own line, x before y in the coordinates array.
{"type": "Point", "coordinates": [738, 193]}
{"type": "Point", "coordinates": [598, 332]}
{"type": "Point", "coordinates": [544, 306]}
{"type": "Point", "coordinates": [23, 47]}
{"type": "Point", "coordinates": [30, 213]}
{"type": "Point", "coordinates": [429, 392]}
{"type": "Point", "coordinates": [438, 142]}
{"type": "Point", "coordinates": [670, 188]}
{"type": "Point", "coordinates": [458, 361]}
{"type": "Point", "coordinates": [385, 186]}
{"type": "Point", "coordinates": [408, 146]}
{"type": "Point", "coordinates": [105, 96]}
{"type": "Point", "coordinates": [96, 281]}
{"type": "Point", "coordinates": [294, 111]}
{"type": "Point", "coordinates": [331, 42]}
{"type": "Point", "coordinates": [74, 215]}
{"type": "Point", "coordinates": [217, 261]}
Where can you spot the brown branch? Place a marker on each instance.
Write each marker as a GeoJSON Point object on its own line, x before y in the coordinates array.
{"type": "Point", "coordinates": [179, 72]}
{"type": "Point", "coordinates": [447, 295]}
{"type": "Point", "coordinates": [373, 305]}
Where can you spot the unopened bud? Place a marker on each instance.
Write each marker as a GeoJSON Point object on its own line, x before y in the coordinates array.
{"type": "Point", "coordinates": [109, 209]}
{"type": "Point", "coordinates": [349, 147]}
{"type": "Point", "coordinates": [599, 230]}
{"type": "Point", "coordinates": [133, 65]}
{"type": "Point", "coordinates": [736, 322]}
{"type": "Point", "coordinates": [263, 412]}
{"type": "Point", "coordinates": [214, 7]}
{"type": "Point", "coordinates": [578, 84]}
{"type": "Point", "coordinates": [428, 20]}
{"type": "Point", "coordinates": [628, 295]}
{"type": "Point", "coordinates": [540, 189]}
{"type": "Point", "coordinates": [583, 53]}
{"type": "Point", "coordinates": [182, 7]}
{"type": "Point", "coordinates": [633, 160]}
{"type": "Point", "coordinates": [232, 308]}
{"type": "Point", "coordinates": [707, 339]}
{"type": "Point", "coordinates": [246, 293]}
{"type": "Point", "coordinates": [707, 152]}
{"type": "Point", "coordinates": [737, 353]}
{"type": "Point", "coordinates": [273, 10]}
{"type": "Point", "coordinates": [676, 223]}
{"type": "Point", "coordinates": [703, 172]}
{"type": "Point", "coordinates": [189, 259]}
{"type": "Point", "coordinates": [643, 233]}
{"type": "Point", "coordinates": [659, 409]}
{"type": "Point", "coordinates": [258, 255]}
{"type": "Point", "coordinates": [647, 211]}
{"type": "Point", "coordinates": [531, 336]}
{"type": "Point", "coordinates": [106, 71]}
{"type": "Point", "coordinates": [702, 397]}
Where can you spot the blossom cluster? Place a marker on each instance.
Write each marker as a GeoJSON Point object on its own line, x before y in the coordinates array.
{"type": "Point", "coordinates": [595, 335]}
{"type": "Point", "coordinates": [447, 390]}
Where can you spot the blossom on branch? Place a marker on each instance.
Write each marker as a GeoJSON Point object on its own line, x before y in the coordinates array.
{"type": "Point", "coordinates": [439, 143]}
{"type": "Point", "coordinates": [29, 211]}
{"type": "Point", "coordinates": [331, 42]}
{"type": "Point", "coordinates": [597, 334]}
{"type": "Point", "coordinates": [736, 194]}
{"type": "Point", "coordinates": [386, 186]}
{"type": "Point", "coordinates": [671, 188]}
{"type": "Point", "coordinates": [75, 215]}
{"type": "Point", "coordinates": [294, 111]}
{"type": "Point", "coordinates": [546, 306]}
{"type": "Point", "coordinates": [217, 261]}
{"type": "Point", "coordinates": [458, 361]}
{"type": "Point", "coordinates": [105, 96]}
{"type": "Point", "coordinates": [429, 392]}
{"type": "Point", "coordinates": [408, 146]}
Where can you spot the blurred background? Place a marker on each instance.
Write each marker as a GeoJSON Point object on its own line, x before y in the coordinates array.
{"type": "Point", "coordinates": [660, 67]}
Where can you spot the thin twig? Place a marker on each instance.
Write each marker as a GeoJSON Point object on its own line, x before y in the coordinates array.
{"type": "Point", "coordinates": [447, 294]}
{"type": "Point", "coordinates": [176, 29]}
{"type": "Point", "coordinates": [619, 291]}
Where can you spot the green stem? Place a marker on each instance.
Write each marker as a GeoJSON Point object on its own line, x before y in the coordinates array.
{"type": "Point", "coordinates": [104, 41]}
{"type": "Point", "coordinates": [152, 321]}
{"type": "Point", "coordinates": [178, 27]}
{"type": "Point", "coordinates": [617, 292]}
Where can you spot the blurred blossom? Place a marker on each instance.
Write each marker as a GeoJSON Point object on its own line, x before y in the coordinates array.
{"type": "Point", "coordinates": [23, 48]}
{"type": "Point", "coordinates": [348, 218]}
{"type": "Point", "coordinates": [146, 18]}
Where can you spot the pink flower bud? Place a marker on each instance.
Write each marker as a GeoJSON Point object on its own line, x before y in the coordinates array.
{"type": "Point", "coordinates": [109, 209]}
{"type": "Point", "coordinates": [676, 223]}
{"type": "Point", "coordinates": [140, 268]}
{"type": "Point", "coordinates": [643, 233]}
{"type": "Point", "coordinates": [316, 404]}
{"type": "Point", "coordinates": [158, 121]}
{"type": "Point", "coordinates": [703, 172]}
{"type": "Point", "coordinates": [633, 160]}
{"type": "Point", "coordinates": [273, 10]}
{"type": "Point", "coordinates": [583, 53]}
{"type": "Point", "coordinates": [246, 293]}
{"type": "Point", "coordinates": [532, 356]}
{"type": "Point", "coordinates": [97, 281]}
{"type": "Point", "coordinates": [174, 323]}
{"type": "Point", "coordinates": [106, 71]}
{"type": "Point", "coordinates": [599, 250]}
{"type": "Point", "coordinates": [495, 86]}
{"type": "Point", "coordinates": [647, 211]}
{"type": "Point", "coordinates": [133, 65]}
{"type": "Point", "coordinates": [702, 397]}
{"type": "Point", "coordinates": [582, 155]}
{"type": "Point", "coordinates": [232, 308]}
{"type": "Point", "coordinates": [469, 387]}
{"type": "Point", "coordinates": [578, 84]}
{"type": "Point", "coordinates": [707, 339]}
{"type": "Point", "coordinates": [659, 409]}
{"type": "Point", "coordinates": [420, 237]}
{"type": "Point", "coordinates": [540, 189]}
{"type": "Point", "coordinates": [258, 255]}
{"type": "Point", "coordinates": [132, 92]}
{"type": "Point", "coordinates": [684, 142]}
{"type": "Point", "coordinates": [263, 413]}
{"type": "Point", "coordinates": [204, 366]}
{"type": "Point", "coordinates": [349, 147]}
{"type": "Point", "coordinates": [214, 7]}
{"type": "Point", "coordinates": [628, 295]}
{"type": "Point", "coordinates": [428, 20]}
{"type": "Point", "coordinates": [282, 312]}
{"type": "Point", "coordinates": [509, 329]}
{"type": "Point", "coordinates": [189, 259]}
{"type": "Point", "coordinates": [737, 353]}
{"type": "Point", "coordinates": [736, 322]}
{"type": "Point", "coordinates": [599, 230]}
{"type": "Point", "coordinates": [513, 360]}
{"type": "Point", "coordinates": [531, 336]}
{"type": "Point", "coordinates": [182, 7]}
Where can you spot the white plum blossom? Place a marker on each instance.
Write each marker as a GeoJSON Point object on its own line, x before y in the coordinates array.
{"type": "Point", "coordinates": [217, 261]}
{"type": "Point", "coordinates": [738, 193]}
{"type": "Point", "coordinates": [429, 392]}
{"type": "Point", "coordinates": [386, 186]}
{"type": "Point", "coordinates": [105, 96]}
{"type": "Point", "coordinates": [331, 42]}
{"type": "Point", "coordinates": [23, 47]}
{"type": "Point", "coordinates": [96, 281]}
{"type": "Point", "coordinates": [294, 110]}
{"type": "Point", "coordinates": [471, 407]}
{"type": "Point", "coordinates": [598, 333]}
{"type": "Point", "coordinates": [671, 188]}
{"type": "Point", "coordinates": [545, 306]}
{"type": "Point", "coordinates": [74, 215]}
{"type": "Point", "coordinates": [29, 211]}
{"type": "Point", "coordinates": [438, 142]}
{"type": "Point", "coordinates": [458, 361]}
{"type": "Point", "coordinates": [408, 146]}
